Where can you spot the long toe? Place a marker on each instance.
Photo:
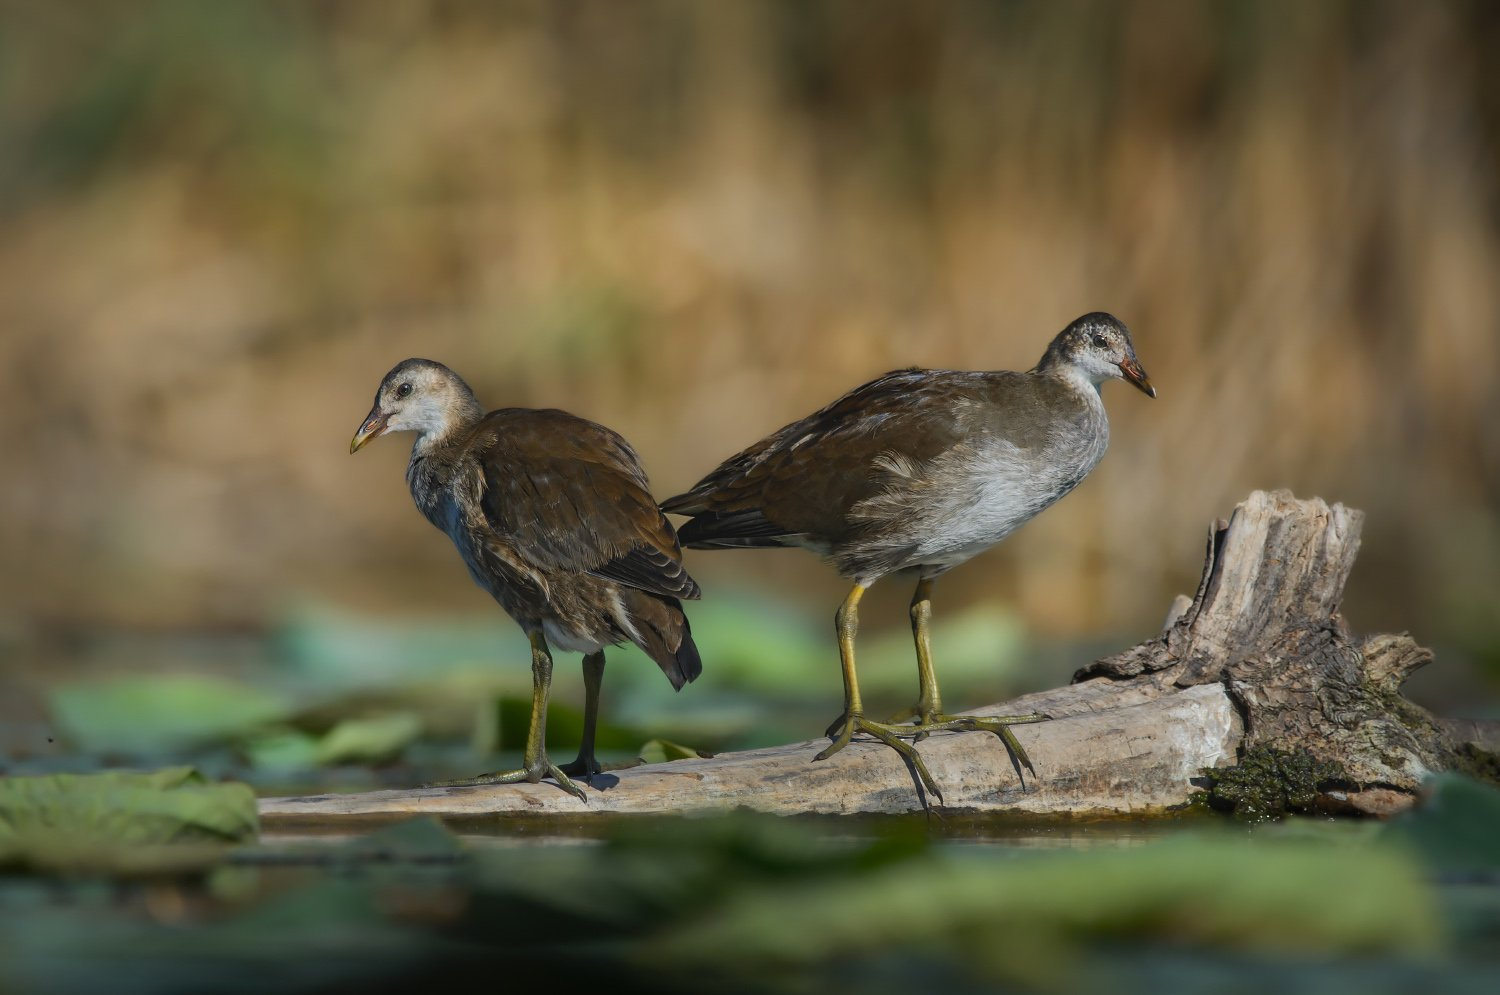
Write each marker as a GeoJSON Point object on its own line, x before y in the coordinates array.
{"type": "Point", "coordinates": [841, 733]}
{"type": "Point", "coordinates": [890, 735]}
{"type": "Point", "coordinates": [533, 774]}
{"type": "Point", "coordinates": [997, 724]}
{"type": "Point", "coordinates": [914, 762]}
{"type": "Point", "coordinates": [497, 777]}
{"type": "Point", "coordinates": [563, 782]}
{"type": "Point", "coordinates": [911, 713]}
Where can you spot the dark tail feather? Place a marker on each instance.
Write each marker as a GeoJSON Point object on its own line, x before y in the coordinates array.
{"type": "Point", "coordinates": [689, 663]}
{"type": "Point", "coordinates": [665, 635]}
{"type": "Point", "coordinates": [712, 530]}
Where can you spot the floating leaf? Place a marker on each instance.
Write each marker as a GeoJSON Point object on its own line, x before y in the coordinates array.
{"type": "Point", "coordinates": [1456, 827]}
{"type": "Point", "coordinates": [373, 740]}
{"type": "Point", "coordinates": [282, 749]}
{"type": "Point", "coordinates": [119, 821]}
{"type": "Point", "coordinates": [657, 751]}
{"type": "Point", "coordinates": [142, 716]}
{"type": "Point", "coordinates": [1207, 892]}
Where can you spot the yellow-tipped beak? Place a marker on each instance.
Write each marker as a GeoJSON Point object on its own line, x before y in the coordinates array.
{"type": "Point", "coordinates": [1133, 372]}
{"type": "Point", "coordinates": [373, 426]}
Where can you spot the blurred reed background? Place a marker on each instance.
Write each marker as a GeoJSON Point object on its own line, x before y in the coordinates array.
{"type": "Point", "coordinates": [223, 222]}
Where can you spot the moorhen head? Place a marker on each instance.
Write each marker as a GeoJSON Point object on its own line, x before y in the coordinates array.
{"type": "Point", "coordinates": [553, 516]}
{"type": "Point", "coordinates": [917, 471]}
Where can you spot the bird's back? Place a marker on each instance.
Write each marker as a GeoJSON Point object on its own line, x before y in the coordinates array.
{"type": "Point", "coordinates": [553, 516]}
{"type": "Point", "coordinates": [568, 495]}
{"type": "Point", "coordinates": [915, 463]}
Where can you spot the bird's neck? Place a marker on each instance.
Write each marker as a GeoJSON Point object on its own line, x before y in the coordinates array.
{"type": "Point", "coordinates": [1070, 373]}
{"type": "Point", "coordinates": [448, 426]}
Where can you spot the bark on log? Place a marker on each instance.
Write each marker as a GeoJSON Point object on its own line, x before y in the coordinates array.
{"type": "Point", "coordinates": [1265, 625]}
{"type": "Point", "coordinates": [1258, 657]}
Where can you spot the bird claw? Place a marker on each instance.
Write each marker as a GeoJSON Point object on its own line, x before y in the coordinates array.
{"type": "Point", "coordinates": [842, 732]}
{"type": "Point", "coordinates": [532, 774]}
{"type": "Point", "coordinates": [997, 724]}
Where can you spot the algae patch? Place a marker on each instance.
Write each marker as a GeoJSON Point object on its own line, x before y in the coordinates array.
{"type": "Point", "coordinates": [1268, 783]}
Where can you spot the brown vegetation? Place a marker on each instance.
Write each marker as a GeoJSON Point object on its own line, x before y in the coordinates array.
{"type": "Point", "coordinates": [223, 222]}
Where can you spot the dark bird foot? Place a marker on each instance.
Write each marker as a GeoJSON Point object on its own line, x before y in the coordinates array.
{"type": "Point", "coordinates": [587, 767]}
{"type": "Point", "coordinates": [844, 728]}
{"type": "Point", "coordinates": [533, 775]}
{"type": "Point", "coordinates": [997, 724]}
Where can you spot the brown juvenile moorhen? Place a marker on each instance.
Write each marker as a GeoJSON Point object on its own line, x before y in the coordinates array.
{"type": "Point", "coordinates": [553, 516]}
{"type": "Point", "coordinates": [917, 471]}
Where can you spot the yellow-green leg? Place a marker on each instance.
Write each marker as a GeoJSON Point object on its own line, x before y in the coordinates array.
{"type": "Point", "coordinates": [853, 719]}
{"type": "Point", "coordinates": [929, 698]}
{"type": "Point", "coordinates": [536, 764]}
{"type": "Point", "coordinates": [930, 715]}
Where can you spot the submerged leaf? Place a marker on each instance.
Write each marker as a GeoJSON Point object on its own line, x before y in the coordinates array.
{"type": "Point", "coordinates": [421, 839]}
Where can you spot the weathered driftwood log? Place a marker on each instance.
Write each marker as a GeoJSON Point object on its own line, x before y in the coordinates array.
{"type": "Point", "coordinates": [1258, 657]}
{"type": "Point", "coordinates": [1265, 626]}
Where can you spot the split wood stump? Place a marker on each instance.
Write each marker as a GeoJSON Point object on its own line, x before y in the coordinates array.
{"type": "Point", "coordinates": [1259, 656]}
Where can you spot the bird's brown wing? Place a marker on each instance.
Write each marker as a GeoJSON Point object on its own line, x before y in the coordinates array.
{"type": "Point", "coordinates": [571, 495]}
{"type": "Point", "coordinates": [802, 480]}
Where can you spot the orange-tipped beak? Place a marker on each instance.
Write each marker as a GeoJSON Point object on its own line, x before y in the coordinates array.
{"type": "Point", "coordinates": [373, 427]}
{"type": "Point", "coordinates": [1133, 372]}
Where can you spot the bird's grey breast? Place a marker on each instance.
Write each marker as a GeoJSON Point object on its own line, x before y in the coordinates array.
{"type": "Point", "coordinates": [433, 495]}
{"type": "Point", "coordinates": [449, 499]}
{"type": "Point", "coordinates": [996, 481]}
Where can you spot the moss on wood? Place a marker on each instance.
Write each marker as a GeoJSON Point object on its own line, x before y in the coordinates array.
{"type": "Point", "coordinates": [1267, 783]}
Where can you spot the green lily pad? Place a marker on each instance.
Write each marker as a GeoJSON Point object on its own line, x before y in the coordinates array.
{"type": "Point", "coordinates": [1005, 914]}
{"type": "Point", "coordinates": [372, 740]}
{"type": "Point", "coordinates": [657, 751]}
{"type": "Point", "coordinates": [282, 749]}
{"type": "Point", "coordinates": [1455, 826]}
{"type": "Point", "coordinates": [378, 739]}
{"type": "Point", "coordinates": [121, 821]}
{"type": "Point", "coordinates": [145, 716]}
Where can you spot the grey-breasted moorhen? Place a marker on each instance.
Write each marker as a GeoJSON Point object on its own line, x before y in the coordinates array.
{"type": "Point", "coordinates": [917, 471]}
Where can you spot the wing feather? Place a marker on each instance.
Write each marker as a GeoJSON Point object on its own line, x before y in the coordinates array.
{"type": "Point", "coordinates": [572, 496]}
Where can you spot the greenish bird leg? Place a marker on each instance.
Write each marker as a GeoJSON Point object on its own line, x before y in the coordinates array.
{"type": "Point", "coordinates": [929, 710]}
{"type": "Point", "coordinates": [536, 764]}
{"type": "Point", "coordinates": [853, 720]}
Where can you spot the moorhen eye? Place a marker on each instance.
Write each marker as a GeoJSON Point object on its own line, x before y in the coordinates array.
{"type": "Point", "coordinates": [918, 470]}
{"type": "Point", "coordinates": [551, 515]}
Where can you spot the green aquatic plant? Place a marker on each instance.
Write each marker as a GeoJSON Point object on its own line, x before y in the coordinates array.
{"type": "Point", "coordinates": [122, 822]}
{"type": "Point", "coordinates": [1268, 783]}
